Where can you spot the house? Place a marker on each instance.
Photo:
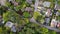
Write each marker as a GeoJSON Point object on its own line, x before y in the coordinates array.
{"type": "Point", "coordinates": [9, 24]}
{"type": "Point", "coordinates": [40, 3]}
{"type": "Point", "coordinates": [46, 4]}
{"type": "Point", "coordinates": [13, 28]}
{"type": "Point", "coordinates": [32, 20]}
{"type": "Point", "coordinates": [57, 7]}
{"type": "Point", "coordinates": [58, 25]}
{"type": "Point", "coordinates": [53, 23]}
{"type": "Point", "coordinates": [47, 20]}
{"type": "Point", "coordinates": [48, 13]}
{"type": "Point", "coordinates": [57, 13]}
{"type": "Point", "coordinates": [29, 9]}
{"type": "Point", "coordinates": [29, 1]}
{"type": "Point", "coordinates": [15, 3]}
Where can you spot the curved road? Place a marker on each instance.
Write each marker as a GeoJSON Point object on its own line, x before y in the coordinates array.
{"type": "Point", "coordinates": [48, 27]}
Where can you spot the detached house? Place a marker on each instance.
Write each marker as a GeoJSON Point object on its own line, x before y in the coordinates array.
{"type": "Point", "coordinates": [46, 4]}
{"type": "Point", "coordinates": [57, 7]}
{"type": "Point", "coordinates": [9, 24]}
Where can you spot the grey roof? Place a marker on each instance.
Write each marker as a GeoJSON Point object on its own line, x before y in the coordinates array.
{"type": "Point", "coordinates": [29, 1]}
{"type": "Point", "coordinates": [13, 28]}
{"type": "Point", "coordinates": [32, 20]}
{"type": "Point", "coordinates": [57, 7]}
{"type": "Point", "coordinates": [46, 4]}
{"type": "Point", "coordinates": [47, 20]}
{"type": "Point", "coordinates": [57, 13]}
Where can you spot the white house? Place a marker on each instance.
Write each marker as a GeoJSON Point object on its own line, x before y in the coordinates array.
{"type": "Point", "coordinates": [57, 13]}
{"type": "Point", "coordinates": [48, 13]}
{"type": "Point", "coordinates": [53, 23]}
{"type": "Point", "coordinates": [9, 24]}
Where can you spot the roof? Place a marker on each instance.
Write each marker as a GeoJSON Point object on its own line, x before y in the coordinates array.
{"type": "Point", "coordinates": [57, 7]}
{"type": "Point", "coordinates": [46, 4]}
{"type": "Point", "coordinates": [9, 24]}
{"type": "Point", "coordinates": [13, 28]}
{"type": "Point", "coordinates": [29, 1]}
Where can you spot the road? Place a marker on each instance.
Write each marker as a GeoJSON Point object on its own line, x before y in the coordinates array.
{"type": "Point", "coordinates": [48, 27]}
